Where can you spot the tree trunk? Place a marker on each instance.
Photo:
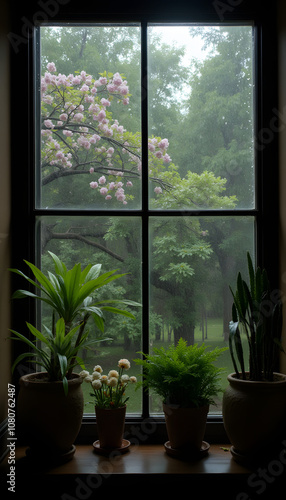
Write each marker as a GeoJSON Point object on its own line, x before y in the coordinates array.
{"type": "Point", "coordinates": [187, 332]}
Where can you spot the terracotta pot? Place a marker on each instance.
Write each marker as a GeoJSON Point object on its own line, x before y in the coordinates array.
{"type": "Point", "coordinates": [49, 420]}
{"type": "Point", "coordinates": [253, 413]}
{"type": "Point", "coordinates": [110, 426]}
{"type": "Point", "coordinates": [185, 427]}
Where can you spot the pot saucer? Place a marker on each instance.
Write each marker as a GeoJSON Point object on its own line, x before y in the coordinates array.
{"type": "Point", "coordinates": [106, 451]}
{"type": "Point", "coordinates": [187, 454]}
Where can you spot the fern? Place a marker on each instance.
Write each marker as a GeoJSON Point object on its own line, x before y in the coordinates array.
{"type": "Point", "coordinates": [183, 374]}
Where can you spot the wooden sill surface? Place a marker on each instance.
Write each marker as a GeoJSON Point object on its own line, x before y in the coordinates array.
{"type": "Point", "coordinates": [143, 459]}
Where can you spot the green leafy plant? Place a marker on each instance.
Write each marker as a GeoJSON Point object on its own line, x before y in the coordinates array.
{"type": "Point", "coordinates": [58, 355]}
{"type": "Point", "coordinates": [109, 390]}
{"type": "Point", "coordinates": [184, 375]}
{"type": "Point", "coordinates": [69, 295]}
{"type": "Point", "coordinates": [257, 309]}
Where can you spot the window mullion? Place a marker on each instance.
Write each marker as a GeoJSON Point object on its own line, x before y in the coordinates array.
{"type": "Point", "coordinates": [145, 202]}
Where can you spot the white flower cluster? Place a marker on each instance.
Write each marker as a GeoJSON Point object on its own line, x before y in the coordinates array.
{"type": "Point", "coordinates": [112, 379]}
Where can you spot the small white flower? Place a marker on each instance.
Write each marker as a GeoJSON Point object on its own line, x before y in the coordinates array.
{"type": "Point", "coordinates": [98, 368]}
{"type": "Point", "coordinates": [95, 376]}
{"type": "Point", "coordinates": [83, 374]}
{"type": "Point", "coordinates": [125, 378]}
{"type": "Point", "coordinates": [133, 379]}
{"type": "Point", "coordinates": [112, 382]}
{"type": "Point", "coordinates": [124, 363]}
{"type": "Point", "coordinates": [96, 384]}
{"type": "Point", "coordinates": [113, 373]}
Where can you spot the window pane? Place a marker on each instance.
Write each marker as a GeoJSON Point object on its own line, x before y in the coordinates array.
{"type": "Point", "coordinates": [201, 117]}
{"type": "Point", "coordinates": [193, 262]}
{"type": "Point", "coordinates": [90, 117]}
{"type": "Point", "coordinates": [116, 244]}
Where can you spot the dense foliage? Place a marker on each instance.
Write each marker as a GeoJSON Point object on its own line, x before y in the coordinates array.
{"type": "Point", "coordinates": [182, 375]}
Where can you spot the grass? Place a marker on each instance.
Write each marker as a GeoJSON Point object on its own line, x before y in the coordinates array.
{"type": "Point", "coordinates": [108, 357]}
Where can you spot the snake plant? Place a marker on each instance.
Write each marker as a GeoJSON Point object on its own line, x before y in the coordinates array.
{"type": "Point", "coordinates": [256, 312]}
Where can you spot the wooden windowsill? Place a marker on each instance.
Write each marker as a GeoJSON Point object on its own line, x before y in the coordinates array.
{"type": "Point", "coordinates": [141, 468]}
{"type": "Point", "coordinates": [142, 459]}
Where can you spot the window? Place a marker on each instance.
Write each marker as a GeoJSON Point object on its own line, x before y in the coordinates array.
{"type": "Point", "coordinates": [148, 159]}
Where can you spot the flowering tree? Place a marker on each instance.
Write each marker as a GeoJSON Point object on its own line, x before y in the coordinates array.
{"type": "Point", "coordinates": [80, 136]}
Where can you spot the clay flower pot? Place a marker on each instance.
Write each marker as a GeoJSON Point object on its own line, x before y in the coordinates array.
{"type": "Point", "coordinates": [110, 426]}
{"type": "Point", "coordinates": [49, 420]}
{"type": "Point", "coordinates": [186, 428]}
{"type": "Point", "coordinates": [254, 413]}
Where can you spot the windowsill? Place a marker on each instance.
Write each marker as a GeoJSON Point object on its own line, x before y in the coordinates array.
{"type": "Point", "coordinates": [146, 459]}
{"type": "Point", "coordinates": [142, 467]}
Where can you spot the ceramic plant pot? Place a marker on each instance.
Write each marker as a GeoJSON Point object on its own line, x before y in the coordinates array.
{"type": "Point", "coordinates": [185, 428]}
{"type": "Point", "coordinates": [254, 414]}
{"type": "Point", "coordinates": [49, 420]}
{"type": "Point", "coordinates": [110, 426]}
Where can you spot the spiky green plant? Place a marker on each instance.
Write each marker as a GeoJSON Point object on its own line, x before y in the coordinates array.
{"type": "Point", "coordinates": [184, 375]}
{"type": "Point", "coordinates": [257, 310]}
{"type": "Point", "coordinates": [69, 293]}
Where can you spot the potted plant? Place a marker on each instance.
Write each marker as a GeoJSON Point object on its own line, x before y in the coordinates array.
{"type": "Point", "coordinates": [187, 381]}
{"type": "Point", "coordinates": [254, 403]}
{"type": "Point", "coordinates": [44, 395]}
{"type": "Point", "coordinates": [110, 405]}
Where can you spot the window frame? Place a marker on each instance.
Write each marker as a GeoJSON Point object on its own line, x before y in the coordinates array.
{"type": "Point", "coordinates": [266, 150]}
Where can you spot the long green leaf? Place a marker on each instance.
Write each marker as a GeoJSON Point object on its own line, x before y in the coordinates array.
{"type": "Point", "coordinates": [38, 334]}
{"type": "Point", "coordinates": [115, 310]}
{"type": "Point", "coordinates": [60, 267]}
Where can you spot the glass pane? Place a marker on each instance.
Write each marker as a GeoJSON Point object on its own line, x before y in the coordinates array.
{"type": "Point", "coordinates": [115, 243]}
{"type": "Point", "coordinates": [193, 262]}
{"type": "Point", "coordinates": [90, 117]}
{"type": "Point", "coordinates": [201, 153]}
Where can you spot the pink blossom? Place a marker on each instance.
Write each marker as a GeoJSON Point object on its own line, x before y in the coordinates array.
{"type": "Point", "coordinates": [101, 115]}
{"type": "Point", "coordinates": [166, 158]}
{"type": "Point", "coordinates": [103, 191]}
{"type": "Point", "coordinates": [63, 116]}
{"type": "Point", "coordinates": [123, 89]}
{"type": "Point", "coordinates": [60, 155]}
{"type": "Point", "coordinates": [93, 185]}
{"type": "Point", "coordinates": [51, 67]}
{"type": "Point", "coordinates": [159, 154]}
{"type": "Point", "coordinates": [78, 117]}
{"type": "Point", "coordinates": [117, 80]}
{"type": "Point", "coordinates": [126, 101]}
{"type": "Point", "coordinates": [84, 88]}
{"type": "Point", "coordinates": [111, 87]}
{"type": "Point", "coordinates": [76, 80]}
{"type": "Point", "coordinates": [49, 123]}
{"type": "Point", "coordinates": [68, 133]}
{"type": "Point", "coordinates": [129, 183]}
{"type": "Point", "coordinates": [111, 185]}
{"type": "Point", "coordinates": [151, 147]}
{"type": "Point", "coordinates": [94, 138]}
{"type": "Point", "coordinates": [108, 197]}
{"type": "Point", "coordinates": [102, 180]}
{"type": "Point", "coordinates": [93, 90]}
{"type": "Point", "coordinates": [103, 80]}
{"type": "Point", "coordinates": [91, 170]}
{"type": "Point", "coordinates": [158, 190]}
{"type": "Point", "coordinates": [163, 144]}
{"type": "Point", "coordinates": [105, 102]}
{"type": "Point", "coordinates": [88, 98]}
